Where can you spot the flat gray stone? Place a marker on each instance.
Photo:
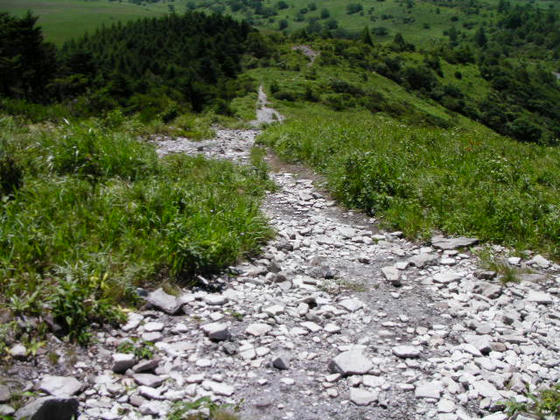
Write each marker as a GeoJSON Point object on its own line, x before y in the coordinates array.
{"type": "Point", "coordinates": [352, 362]}
{"type": "Point", "coordinates": [351, 305]}
{"type": "Point", "coordinates": [487, 390]}
{"type": "Point", "coordinates": [215, 300]}
{"type": "Point", "coordinates": [145, 366]}
{"type": "Point", "coordinates": [219, 388]}
{"type": "Point", "coordinates": [539, 297]}
{"type": "Point", "coordinates": [60, 386]}
{"type": "Point", "coordinates": [147, 379]}
{"type": "Point", "coordinates": [441, 242]}
{"type": "Point", "coordinates": [362, 397]}
{"type": "Point", "coordinates": [447, 277]}
{"type": "Point", "coordinates": [49, 408]}
{"type": "Point", "coordinates": [483, 343]}
{"type": "Point", "coordinates": [423, 260]}
{"type": "Point", "coordinates": [18, 351]}
{"type": "Point", "coordinates": [133, 322]}
{"type": "Point", "coordinates": [392, 275]}
{"type": "Point", "coordinates": [428, 390]}
{"type": "Point", "coordinates": [6, 410]}
{"type": "Point", "coordinates": [539, 261]}
{"type": "Point", "coordinates": [407, 352]}
{"type": "Point", "coordinates": [274, 310]}
{"type": "Point", "coordinates": [491, 291]}
{"type": "Point", "coordinates": [122, 362]}
{"type": "Point", "coordinates": [217, 331]}
{"type": "Point", "coordinates": [165, 302]}
{"type": "Point", "coordinates": [5, 394]}
{"type": "Point", "coordinates": [258, 329]}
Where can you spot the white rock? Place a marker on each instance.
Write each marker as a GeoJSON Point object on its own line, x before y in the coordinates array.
{"type": "Point", "coordinates": [215, 300]}
{"type": "Point", "coordinates": [428, 390]}
{"type": "Point", "coordinates": [446, 406]}
{"type": "Point", "coordinates": [218, 388]}
{"type": "Point", "coordinates": [352, 362]}
{"type": "Point", "coordinates": [166, 302]}
{"type": "Point", "coordinates": [351, 305]}
{"type": "Point", "coordinates": [258, 329]}
{"type": "Point", "coordinates": [406, 351]}
{"type": "Point", "coordinates": [363, 397]}
{"type": "Point", "coordinates": [539, 297]}
{"type": "Point", "coordinates": [60, 386]}
{"type": "Point", "coordinates": [216, 331]}
{"type": "Point", "coordinates": [122, 362]}
{"type": "Point", "coordinates": [447, 277]}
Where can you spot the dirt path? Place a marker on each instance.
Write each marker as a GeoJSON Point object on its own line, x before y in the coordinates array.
{"type": "Point", "coordinates": [336, 320]}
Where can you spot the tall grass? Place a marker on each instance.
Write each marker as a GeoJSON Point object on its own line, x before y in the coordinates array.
{"type": "Point", "coordinates": [97, 215]}
{"type": "Point", "coordinates": [461, 181]}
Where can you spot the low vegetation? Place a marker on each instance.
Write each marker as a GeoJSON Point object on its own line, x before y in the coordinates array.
{"type": "Point", "coordinates": [89, 213]}
{"type": "Point", "coordinates": [543, 404]}
{"type": "Point", "coordinates": [465, 181]}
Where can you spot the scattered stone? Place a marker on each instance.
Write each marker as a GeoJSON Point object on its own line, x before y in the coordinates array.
{"type": "Point", "coordinates": [5, 394]}
{"type": "Point", "coordinates": [446, 406]}
{"type": "Point", "coordinates": [539, 261]}
{"type": "Point", "coordinates": [258, 329]}
{"type": "Point", "coordinates": [6, 410]}
{"type": "Point", "coordinates": [392, 275]}
{"type": "Point", "coordinates": [281, 361]}
{"type": "Point", "coordinates": [361, 396]}
{"type": "Point", "coordinates": [18, 351]}
{"type": "Point", "coordinates": [165, 302]}
{"type": "Point", "coordinates": [447, 277]}
{"type": "Point", "coordinates": [351, 305]}
{"type": "Point", "coordinates": [218, 388]}
{"type": "Point", "coordinates": [428, 390]}
{"type": "Point", "coordinates": [215, 300]}
{"type": "Point", "coordinates": [122, 362]}
{"type": "Point", "coordinates": [274, 310]}
{"type": "Point", "coordinates": [423, 260]}
{"type": "Point", "coordinates": [133, 322]}
{"type": "Point", "coordinates": [60, 386]}
{"type": "Point", "coordinates": [441, 242]}
{"type": "Point", "coordinates": [352, 362]}
{"type": "Point", "coordinates": [485, 274]}
{"type": "Point", "coordinates": [147, 379]}
{"type": "Point", "coordinates": [406, 352]}
{"type": "Point", "coordinates": [49, 408]}
{"type": "Point", "coordinates": [146, 366]}
{"type": "Point", "coordinates": [217, 331]}
{"type": "Point", "coordinates": [539, 297]}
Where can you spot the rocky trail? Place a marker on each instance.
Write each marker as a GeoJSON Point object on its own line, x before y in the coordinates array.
{"type": "Point", "coordinates": [336, 320]}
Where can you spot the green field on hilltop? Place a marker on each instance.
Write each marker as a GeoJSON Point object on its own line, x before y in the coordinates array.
{"type": "Point", "coordinates": [65, 19]}
{"type": "Point", "coordinates": [421, 22]}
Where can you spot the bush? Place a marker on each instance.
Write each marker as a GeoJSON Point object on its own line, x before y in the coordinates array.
{"type": "Point", "coordinates": [352, 8]}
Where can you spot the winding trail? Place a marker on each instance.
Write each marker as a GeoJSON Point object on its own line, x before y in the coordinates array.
{"type": "Point", "coordinates": [326, 286]}
{"type": "Point", "coordinates": [336, 320]}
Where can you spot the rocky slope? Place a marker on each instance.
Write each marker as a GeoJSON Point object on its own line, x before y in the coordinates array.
{"type": "Point", "coordinates": [335, 320]}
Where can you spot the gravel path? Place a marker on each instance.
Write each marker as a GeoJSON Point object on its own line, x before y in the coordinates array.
{"type": "Point", "coordinates": [336, 320]}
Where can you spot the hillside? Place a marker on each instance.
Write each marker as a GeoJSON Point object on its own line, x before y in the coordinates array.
{"type": "Point", "coordinates": [204, 221]}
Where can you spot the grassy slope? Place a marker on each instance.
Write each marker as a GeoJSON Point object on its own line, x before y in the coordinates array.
{"type": "Point", "coordinates": [463, 180]}
{"type": "Point", "coordinates": [98, 214]}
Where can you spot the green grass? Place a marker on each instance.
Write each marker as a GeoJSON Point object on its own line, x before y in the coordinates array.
{"type": "Point", "coordinates": [62, 20]}
{"type": "Point", "coordinates": [464, 180]}
{"type": "Point", "coordinates": [544, 404]}
{"type": "Point", "coordinates": [423, 24]}
{"type": "Point", "coordinates": [97, 214]}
